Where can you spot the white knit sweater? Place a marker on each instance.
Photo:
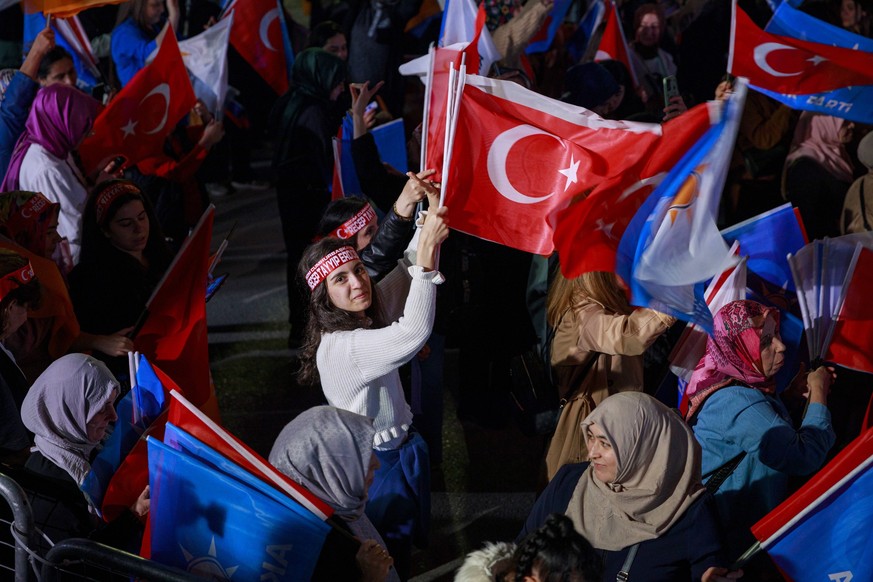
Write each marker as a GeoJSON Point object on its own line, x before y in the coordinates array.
{"type": "Point", "coordinates": [358, 368]}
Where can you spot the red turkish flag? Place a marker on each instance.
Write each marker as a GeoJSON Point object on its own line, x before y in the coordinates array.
{"type": "Point", "coordinates": [852, 343]}
{"type": "Point", "coordinates": [256, 34]}
{"type": "Point", "coordinates": [438, 87]}
{"type": "Point", "coordinates": [138, 120]}
{"type": "Point", "coordinates": [174, 333]}
{"type": "Point", "coordinates": [613, 45]}
{"type": "Point", "coordinates": [521, 158]}
{"type": "Point", "coordinates": [788, 65]}
{"type": "Point", "coordinates": [589, 229]}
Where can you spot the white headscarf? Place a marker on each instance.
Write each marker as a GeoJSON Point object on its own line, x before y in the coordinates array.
{"type": "Point", "coordinates": [657, 479]}
{"type": "Point", "coordinates": [59, 405]}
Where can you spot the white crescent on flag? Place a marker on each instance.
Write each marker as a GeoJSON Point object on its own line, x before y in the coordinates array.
{"type": "Point", "coordinates": [497, 155]}
{"type": "Point", "coordinates": [164, 91]}
{"type": "Point", "coordinates": [763, 50]}
{"type": "Point", "coordinates": [268, 18]}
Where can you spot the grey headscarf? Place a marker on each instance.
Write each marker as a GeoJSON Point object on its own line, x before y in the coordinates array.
{"type": "Point", "coordinates": [328, 450]}
{"type": "Point", "coordinates": [59, 405]}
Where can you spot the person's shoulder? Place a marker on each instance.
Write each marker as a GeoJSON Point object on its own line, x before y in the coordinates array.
{"type": "Point", "coordinates": [739, 394]}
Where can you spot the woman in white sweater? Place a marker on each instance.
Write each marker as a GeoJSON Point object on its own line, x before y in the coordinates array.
{"type": "Point", "coordinates": [357, 337]}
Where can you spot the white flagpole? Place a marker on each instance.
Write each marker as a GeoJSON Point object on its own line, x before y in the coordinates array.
{"type": "Point", "coordinates": [428, 87]}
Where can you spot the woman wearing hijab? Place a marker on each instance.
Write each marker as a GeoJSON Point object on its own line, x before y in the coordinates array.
{"type": "Point", "coordinates": [19, 290]}
{"type": "Point", "coordinates": [330, 452]}
{"type": "Point", "coordinates": [734, 410]}
{"type": "Point", "coordinates": [29, 226]}
{"type": "Point", "coordinates": [819, 171]}
{"type": "Point", "coordinates": [305, 120]}
{"type": "Point", "coordinates": [640, 489]}
{"type": "Point", "coordinates": [69, 409]}
{"type": "Point", "coordinates": [596, 351]}
{"type": "Point", "coordinates": [43, 160]}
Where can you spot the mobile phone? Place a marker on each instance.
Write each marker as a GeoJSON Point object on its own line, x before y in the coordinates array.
{"type": "Point", "coordinates": [671, 89]}
{"type": "Point", "coordinates": [373, 106]}
{"type": "Point", "coordinates": [115, 164]}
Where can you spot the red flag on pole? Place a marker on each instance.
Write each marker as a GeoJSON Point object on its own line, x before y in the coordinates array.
{"type": "Point", "coordinates": [852, 343]}
{"type": "Point", "coordinates": [138, 120]}
{"type": "Point", "coordinates": [173, 335]}
{"type": "Point", "coordinates": [613, 45]}
{"type": "Point", "coordinates": [256, 34]}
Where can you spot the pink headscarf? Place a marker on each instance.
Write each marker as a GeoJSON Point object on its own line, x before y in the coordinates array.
{"type": "Point", "coordinates": [59, 118]}
{"type": "Point", "coordinates": [733, 353]}
{"type": "Point", "coordinates": [817, 136]}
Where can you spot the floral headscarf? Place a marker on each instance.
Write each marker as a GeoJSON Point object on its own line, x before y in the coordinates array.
{"type": "Point", "coordinates": [733, 352]}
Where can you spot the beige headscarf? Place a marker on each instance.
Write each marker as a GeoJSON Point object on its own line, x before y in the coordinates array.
{"type": "Point", "coordinates": [658, 474]}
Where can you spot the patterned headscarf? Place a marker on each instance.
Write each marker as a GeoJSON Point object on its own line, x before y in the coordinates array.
{"type": "Point", "coordinates": [59, 118]}
{"type": "Point", "coordinates": [25, 218]}
{"type": "Point", "coordinates": [657, 476]}
{"type": "Point", "coordinates": [733, 352]}
{"type": "Point", "coordinates": [59, 406]}
{"type": "Point", "coordinates": [5, 79]}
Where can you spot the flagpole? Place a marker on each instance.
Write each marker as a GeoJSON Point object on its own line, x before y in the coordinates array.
{"type": "Point", "coordinates": [747, 555]}
{"type": "Point", "coordinates": [801, 299]}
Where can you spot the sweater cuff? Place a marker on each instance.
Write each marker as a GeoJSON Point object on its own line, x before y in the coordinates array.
{"type": "Point", "coordinates": [418, 272]}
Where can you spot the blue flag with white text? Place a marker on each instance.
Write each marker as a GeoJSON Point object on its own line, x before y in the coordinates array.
{"type": "Point", "coordinates": [225, 526]}
{"type": "Point", "coordinates": [854, 103]}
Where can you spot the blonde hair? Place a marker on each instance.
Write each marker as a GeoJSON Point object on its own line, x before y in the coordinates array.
{"type": "Point", "coordinates": [598, 286]}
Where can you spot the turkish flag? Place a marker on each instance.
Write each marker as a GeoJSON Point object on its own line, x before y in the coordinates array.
{"type": "Point", "coordinates": [589, 229]}
{"type": "Point", "coordinates": [443, 59]}
{"type": "Point", "coordinates": [522, 157]}
{"type": "Point", "coordinates": [613, 45]}
{"type": "Point", "coordinates": [783, 64]}
{"type": "Point", "coordinates": [257, 35]}
{"type": "Point", "coordinates": [173, 335]}
{"type": "Point", "coordinates": [852, 342]}
{"type": "Point", "coordinates": [138, 120]}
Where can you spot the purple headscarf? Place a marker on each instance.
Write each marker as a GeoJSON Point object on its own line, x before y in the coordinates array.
{"type": "Point", "coordinates": [59, 118]}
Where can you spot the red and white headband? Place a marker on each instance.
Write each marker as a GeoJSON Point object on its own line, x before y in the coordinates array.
{"type": "Point", "coordinates": [110, 195]}
{"type": "Point", "coordinates": [328, 264]}
{"type": "Point", "coordinates": [15, 279]}
{"type": "Point", "coordinates": [356, 223]}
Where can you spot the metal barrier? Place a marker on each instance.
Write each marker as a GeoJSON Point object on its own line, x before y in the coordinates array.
{"type": "Point", "coordinates": [74, 558]}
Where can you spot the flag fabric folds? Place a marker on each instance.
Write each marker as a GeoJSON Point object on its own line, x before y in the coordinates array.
{"type": "Point", "coordinates": [817, 74]}
{"type": "Point", "coordinates": [854, 102]}
{"type": "Point", "coordinates": [464, 22]}
{"type": "Point", "coordinates": [673, 246]}
{"type": "Point", "coordinates": [852, 341]}
{"type": "Point", "coordinates": [211, 517]}
{"type": "Point", "coordinates": [205, 57]}
{"type": "Point", "coordinates": [173, 336]}
{"type": "Point", "coordinates": [822, 532]}
{"type": "Point", "coordinates": [189, 418]}
{"type": "Point", "coordinates": [67, 8]}
{"type": "Point", "coordinates": [138, 120]}
{"type": "Point", "coordinates": [258, 35]}
{"type": "Point", "coordinates": [522, 157]}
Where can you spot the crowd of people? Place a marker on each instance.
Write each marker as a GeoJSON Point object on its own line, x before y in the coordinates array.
{"type": "Point", "coordinates": [628, 489]}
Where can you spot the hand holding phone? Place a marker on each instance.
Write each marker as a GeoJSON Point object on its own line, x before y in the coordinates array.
{"type": "Point", "coordinates": [671, 89]}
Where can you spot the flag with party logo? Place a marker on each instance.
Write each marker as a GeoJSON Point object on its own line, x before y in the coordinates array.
{"type": "Point", "coordinates": [673, 245]}
{"type": "Point", "coordinates": [805, 63]}
{"type": "Point", "coordinates": [212, 518]}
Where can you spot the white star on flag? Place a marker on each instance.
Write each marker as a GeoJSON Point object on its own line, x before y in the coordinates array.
{"type": "Point", "coordinates": [570, 172]}
{"type": "Point", "coordinates": [128, 129]}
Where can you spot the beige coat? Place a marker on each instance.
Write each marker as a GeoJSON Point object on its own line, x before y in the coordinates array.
{"type": "Point", "coordinates": [620, 341]}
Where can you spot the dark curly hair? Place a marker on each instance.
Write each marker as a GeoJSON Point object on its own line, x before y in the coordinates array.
{"type": "Point", "coordinates": [323, 316]}
{"type": "Point", "coordinates": [558, 553]}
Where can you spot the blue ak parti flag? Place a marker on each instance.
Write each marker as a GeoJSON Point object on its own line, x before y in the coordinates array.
{"type": "Point", "coordinates": [553, 22]}
{"type": "Point", "coordinates": [672, 245]}
{"type": "Point", "coordinates": [390, 141]}
{"type": "Point", "coordinates": [853, 103]}
{"type": "Point", "coordinates": [225, 525]}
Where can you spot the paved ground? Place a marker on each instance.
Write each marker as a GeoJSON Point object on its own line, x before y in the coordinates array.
{"type": "Point", "coordinates": [486, 484]}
